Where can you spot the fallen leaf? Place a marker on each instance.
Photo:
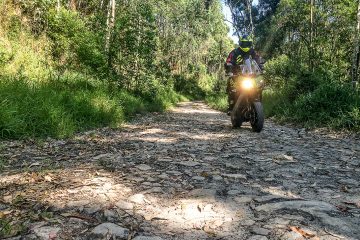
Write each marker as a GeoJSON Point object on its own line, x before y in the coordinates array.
{"type": "Point", "coordinates": [7, 198]}
{"type": "Point", "coordinates": [80, 216]}
{"type": "Point", "coordinates": [34, 164]}
{"type": "Point", "coordinates": [204, 174]}
{"type": "Point", "coordinates": [209, 230]}
{"type": "Point", "coordinates": [302, 232]}
{"type": "Point", "coordinates": [3, 214]}
{"type": "Point", "coordinates": [356, 204]}
{"type": "Point", "coordinates": [344, 189]}
{"type": "Point", "coordinates": [159, 219]}
{"type": "Point", "coordinates": [342, 208]}
{"type": "Point", "coordinates": [48, 178]}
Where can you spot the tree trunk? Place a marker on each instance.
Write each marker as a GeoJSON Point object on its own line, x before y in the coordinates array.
{"type": "Point", "coordinates": [72, 5]}
{"type": "Point", "coordinates": [110, 22]}
{"type": "Point", "coordinates": [58, 6]}
{"type": "Point", "coordinates": [79, 4]}
{"type": "Point", "coordinates": [356, 63]}
{"type": "Point", "coordinates": [249, 7]}
{"type": "Point", "coordinates": [311, 52]}
{"type": "Point", "coordinates": [234, 20]}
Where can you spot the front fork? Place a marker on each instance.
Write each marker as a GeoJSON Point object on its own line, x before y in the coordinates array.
{"type": "Point", "coordinates": [242, 106]}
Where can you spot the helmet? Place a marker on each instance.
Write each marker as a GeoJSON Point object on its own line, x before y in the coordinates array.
{"type": "Point", "coordinates": [245, 43]}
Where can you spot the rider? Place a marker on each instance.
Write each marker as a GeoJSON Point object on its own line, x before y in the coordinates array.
{"type": "Point", "coordinates": [237, 57]}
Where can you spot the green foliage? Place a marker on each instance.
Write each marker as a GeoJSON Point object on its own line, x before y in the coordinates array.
{"type": "Point", "coordinates": [52, 56]}
{"type": "Point", "coordinates": [9, 228]}
{"type": "Point", "coordinates": [164, 99]}
{"type": "Point", "coordinates": [308, 84]}
{"type": "Point", "coordinates": [278, 71]}
{"type": "Point", "coordinates": [5, 228]}
{"type": "Point", "coordinates": [130, 104]}
{"type": "Point", "coordinates": [62, 107]}
{"type": "Point", "coordinates": [58, 112]}
{"type": "Point", "coordinates": [329, 105]}
{"type": "Point", "coordinates": [291, 77]}
{"type": "Point", "coordinates": [188, 86]}
{"type": "Point", "coordinates": [73, 42]}
{"type": "Point", "coordinates": [218, 101]}
{"type": "Point", "coordinates": [325, 104]}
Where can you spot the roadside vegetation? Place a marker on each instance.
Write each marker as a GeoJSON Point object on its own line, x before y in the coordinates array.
{"type": "Point", "coordinates": [68, 66]}
{"type": "Point", "coordinates": [312, 53]}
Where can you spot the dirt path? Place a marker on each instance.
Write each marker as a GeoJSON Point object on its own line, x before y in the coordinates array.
{"type": "Point", "coordinates": [184, 174]}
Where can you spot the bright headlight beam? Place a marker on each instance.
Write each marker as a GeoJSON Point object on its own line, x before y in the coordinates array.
{"type": "Point", "coordinates": [247, 84]}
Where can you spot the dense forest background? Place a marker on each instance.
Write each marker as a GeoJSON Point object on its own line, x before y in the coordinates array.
{"type": "Point", "coordinates": [312, 48]}
{"type": "Point", "coordinates": [71, 65]}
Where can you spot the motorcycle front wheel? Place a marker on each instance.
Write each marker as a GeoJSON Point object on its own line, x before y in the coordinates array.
{"type": "Point", "coordinates": [257, 118]}
{"type": "Point", "coordinates": [236, 120]}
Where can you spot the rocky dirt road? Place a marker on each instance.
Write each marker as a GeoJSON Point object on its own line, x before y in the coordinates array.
{"type": "Point", "coordinates": [184, 174]}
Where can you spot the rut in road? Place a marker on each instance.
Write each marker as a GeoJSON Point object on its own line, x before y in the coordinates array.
{"type": "Point", "coordinates": [183, 174]}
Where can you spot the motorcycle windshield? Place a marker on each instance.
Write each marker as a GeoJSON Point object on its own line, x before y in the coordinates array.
{"type": "Point", "coordinates": [250, 67]}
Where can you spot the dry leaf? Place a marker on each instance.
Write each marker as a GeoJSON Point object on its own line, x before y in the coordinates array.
{"type": "Point", "coordinates": [34, 164]}
{"type": "Point", "coordinates": [342, 208]}
{"type": "Point", "coordinates": [209, 230]}
{"type": "Point", "coordinates": [48, 178]}
{"type": "Point", "coordinates": [302, 232]}
{"type": "Point", "coordinates": [80, 216]}
{"type": "Point", "coordinates": [4, 213]}
{"type": "Point", "coordinates": [356, 204]}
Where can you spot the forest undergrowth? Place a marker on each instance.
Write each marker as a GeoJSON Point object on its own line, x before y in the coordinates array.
{"type": "Point", "coordinates": [70, 66]}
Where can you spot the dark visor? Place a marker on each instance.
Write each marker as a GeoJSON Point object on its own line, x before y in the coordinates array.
{"type": "Point", "coordinates": [246, 44]}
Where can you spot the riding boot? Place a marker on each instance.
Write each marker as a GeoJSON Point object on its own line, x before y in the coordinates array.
{"type": "Point", "coordinates": [230, 104]}
{"type": "Point", "coordinates": [230, 92]}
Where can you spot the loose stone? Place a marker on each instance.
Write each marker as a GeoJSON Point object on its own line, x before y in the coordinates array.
{"type": "Point", "coordinates": [143, 167]}
{"type": "Point", "coordinates": [47, 232]}
{"type": "Point", "coordinates": [106, 229]}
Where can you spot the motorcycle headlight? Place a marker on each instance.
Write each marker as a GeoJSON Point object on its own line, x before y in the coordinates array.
{"type": "Point", "coordinates": [247, 84]}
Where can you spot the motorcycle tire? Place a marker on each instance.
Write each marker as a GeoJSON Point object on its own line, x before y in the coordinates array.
{"type": "Point", "coordinates": [236, 121]}
{"type": "Point", "coordinates": [257, 121]}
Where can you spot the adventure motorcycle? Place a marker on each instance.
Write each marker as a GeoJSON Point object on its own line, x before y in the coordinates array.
{"type": "Point", "coordinates": [246, 93]}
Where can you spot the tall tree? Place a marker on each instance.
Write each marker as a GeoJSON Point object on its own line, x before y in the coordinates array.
{"type": "Point", "coordinates": [72, 5]}
{"type": "Point", "coordinates": [110, 21]}
{"type": "Point", "coordinates": [58, 6]}
{"type": "Point", "coordinates": [249, 10]}
{"type": "Point", "coordinates": [242, 15]}
{"type": "Point", "coordinates": [311, 52]}
{"type": "Point", "coordinates": [356, 62]}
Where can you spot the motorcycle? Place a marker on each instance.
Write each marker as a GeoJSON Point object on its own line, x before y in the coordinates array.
{"type": "Point", "coordinates": [247, 96]}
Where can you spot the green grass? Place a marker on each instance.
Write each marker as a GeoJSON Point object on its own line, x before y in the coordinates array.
{"type": "Point", "coordinates": [47, 110]}
{"type": "Point", "coordinates": [333, 106]}
{"type": "Point", "coordinates": [49, 81]}
{"type": "Point", "coordinates": [218, 101]}
{"type": "Point", "coordinates": [5, 228]}
{"type": "Point", "coordinates": [63, 107]}
{"type": "Point", "coordinates": [275, 103]}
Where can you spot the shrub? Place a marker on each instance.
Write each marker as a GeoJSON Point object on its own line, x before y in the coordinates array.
{"type": "Point", "coordinates": [57, 112]}
{"type": "Point", "coordinates": [329, 101]}
{"type": "Point", "coordinates": [331, 105]}
{"type": "Point", "coordinates": [278, 71]}
{"type": "Point", "coordinates": [218, 101]}
{"type": "Point", "coordinates": [73, 40]}
{"type": "Point", "coordinates": [188, 86]}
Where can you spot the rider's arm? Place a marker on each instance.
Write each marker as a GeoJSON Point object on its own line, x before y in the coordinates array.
{"type": "Point", "coordinates": [229, 64]}
{"type": "Point", "coordinates": [230, 59]}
